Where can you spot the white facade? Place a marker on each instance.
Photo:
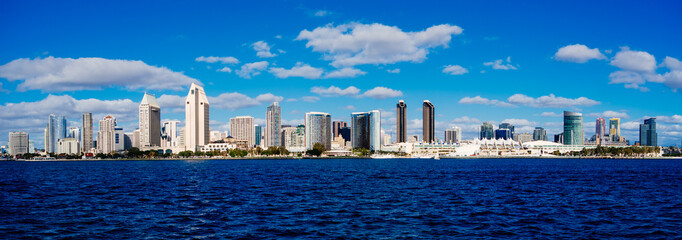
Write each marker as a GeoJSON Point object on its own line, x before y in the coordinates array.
{"type": "Point", "coordinates": [18, 143]}
{"type": "Point", "coordinates": [273, 124]}
{"type": "Point", "coordinates": [523, 137]}
{"type": "Point", "coordinates": [453, 135]}
{"type": "Point", "coordinates": [242, 129]}
{"type": "Point", "coordinates": [69, 146]}
{"type": "Point", "coordinates": [293, 137]}
{"type": "Point", "coordinates": [318, 129]}
{"type": "Point", "coordinates": [218, 147]}
{"type": "Point", "coordinates": [169, 134]}
{"type": "Point", "coordinates": [119, 139]}
{"type": "Point", "coordinates": [150, 122]}
{"type": "Point", "coordinates": [106, 136]}
{"type": "Point", "coordinates": [196, 118]}
{"type": "Point", "coordinates": [74, 132]}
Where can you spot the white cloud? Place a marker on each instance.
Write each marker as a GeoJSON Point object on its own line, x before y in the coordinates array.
{"type": "Point", "coordinates": [672, 63]}
{"type": "Point", "coordinates": [610, 114]}
{"type": "Point", "coordinates": [262, 49]}
{"type": "Point", "coordinates": [349, 107]}
{"type": "Point", "coordinates": [356, 44]}
{"type": "Point", "coordinates": [345, 73]}
{"type": "Point", "coordinates": [171, 101]}
{"type": "Point", "coordinates": [549, 101]}
{"type": "Point", "coordinates": [67, 74]}
{"type": "Point", "coordinates": [396, 70]}
{"type": "Point", "coordinates": [519, 122]}
{"type": "Point", "coordinates": [636, 61]}
{"type": "Point", "coordinates": [466, 119]}
{"type": "Point", "coordinates": [232, 101]}
{"type": "Point", "coordinates": [321, 13]}
{"type": "Point", "coordinates": [673, 79]}
{"type": "Point", "coordinates": [269, 98]}
{"type": "Point", "coordinates": [310, 99]}
{"type": "Point", "coordinates": [300, 70]}
{"type": "Point", "coordinates": [578, 53]}
{"type": "Point", "coordinates": [224, 60]}
{"type": "Point", "coordinates": [225, 69]}
{"type": "Point", "coordinates": [551, 114]}
{"type": "Point", "coordinates": [334, 91]}
{"type": "Point", "coordinates": [500, 64]}
{"type": "Point", "coordinates": [669, 119]}
{"type": "Point", "coordinates": [482, 100]}
{"type": "Point", "coordinates": [454, 70]}
{"type": "Point", "coordinates": [382, 93]}
{"type": "Point", "coordinates": [249, 70]}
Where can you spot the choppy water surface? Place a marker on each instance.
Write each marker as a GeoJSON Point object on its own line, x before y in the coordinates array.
{"type": "Point", "coordinates": [356, 198]}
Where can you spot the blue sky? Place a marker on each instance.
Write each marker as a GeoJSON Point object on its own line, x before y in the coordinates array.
{"type": "Point", "coordinates": [520, 61]}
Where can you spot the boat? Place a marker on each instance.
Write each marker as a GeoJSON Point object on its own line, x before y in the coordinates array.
{"type": "Point", "coordinates": [437, 157]}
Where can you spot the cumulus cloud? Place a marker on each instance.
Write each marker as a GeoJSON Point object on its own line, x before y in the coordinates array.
{"type": "Point", "coordinates": [262, 49]}
{"type": "Point", "coordinates": [300, 70]}
{"type": "Point", "coordinates": [382, 93]}
{"type": "Point", "coordinates": [232, 101]}
{"type": "Point", "coordinates": [519, 122]}
{"type": "Point", "coordinates": [610, 114]}
{"type": "Point", "coordinates": [454, 70]}
{"type": "Point", "coordinates": [268, 98]}
{"type": "Point", "coordinates": [500, 64]}
{"type": "Point", "coordinates": [68, 74]}
{"type": "Point", "coordinates": [356, 43]}
{"type": "Point", "coordinates": [669, 119]}
{"type": "Point", "coordinates": [334, 91]}
{"type": "Point", "coordinates": [672, 63]}
{"type": "Point", "coordinates": [211, 59]}
{"type": "Point", "coordinates": [550, 114]}
{"type": "Point", "coordinates": [466, 119]}
{"type": "Point", "coordinates": [639, 67]}
{"type": "Point", "coordinates": [396, 70]}
{"type": "Point", "coordinates": [171, 101]}
{"type": "Point", "coordinates": [636, 61]}
{"type": "Point", "coordinates": [310, 99]}
{"type": "Point", "coordinates": [225, 69]}
{"type": "Point", "coordinates": [250, 70]}
{"type": "Point", "coordinates": [345, 73]}
{"type": "Point", "coordinates": [549, 101]}
{"type": "Point", "coordinates": [578, 53]}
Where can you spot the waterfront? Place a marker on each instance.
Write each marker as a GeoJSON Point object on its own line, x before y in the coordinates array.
{"type": "Point", "coordinates": [351, 198]}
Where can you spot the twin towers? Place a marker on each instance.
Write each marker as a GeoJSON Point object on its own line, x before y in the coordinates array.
{"type": "Point", "coordinates": [428, 121]}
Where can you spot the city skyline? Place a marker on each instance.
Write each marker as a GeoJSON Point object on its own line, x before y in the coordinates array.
{"type": "Point", "coordinates": [465, 68]}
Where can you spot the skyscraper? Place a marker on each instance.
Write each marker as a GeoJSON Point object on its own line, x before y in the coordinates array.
{"type": "Point", "coordinates": [197, 131]}
{"type": "Point", "coordinates": [487, 131]}
{"type": "Point", "coordinates": [647, 133]}
{"type": "Point", "coordinates": [18, 143]}
{"type": "Point", "coordinates": [258, 134]}
{"type": "Point", "coordinates": [273, 125]}
{"type": "Point", "coordinates": [56, 129]}
{"type": "Point", "coordinates": [505, 134]}
{"type": "Point", "coordinates": [600, 130]}
{"type": "Point", "coordinates": [241, 128]}
{"type": "Point", "coordinates": [428, 121]}
{"type": "Point", "coordinates": [75, 133]}
{"type": "Point", "coordinates": [150, 122]}
{"type": "Point", "coordinates": [401, 121]}
{"type": "Point", "coordinates": [366, 130]}
{"type": "Point", "coordinates": [318, 129]}
{"type": "Point", "coordinates": [453, 135]}
{"type": "Point", "coordinates": [293, 137]}
{"type": "Point", "coordinates": [539, 134]}
{"type": "Point", "coordinates": [169, 134]}
{"type": "Point", "coordinates": [87, 132]}
{"type": "Point", "coordinates": [106, 136]}
{"type": "Point", "coordinates": [614, 129]}
{"type": "Point", "coordinates": [573, 128]}
{"type": "Point", "coordinates": [336, 126]}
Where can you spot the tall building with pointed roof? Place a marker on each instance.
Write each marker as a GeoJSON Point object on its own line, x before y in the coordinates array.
{"type": "Point", "coordinates": [150, 122]}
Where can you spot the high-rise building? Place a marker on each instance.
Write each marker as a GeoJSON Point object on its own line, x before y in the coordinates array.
{"type": "Point", "coordinates": [401, 121]}
{"type": "Point", "coordinates": [366, 130]}
{"type": "Point", "coordinates": [523, 137]}
{"type": "Point", "coordinates": [150, 122]}
{"type": "Point", "coordinates": [647, 133]}
{"type": "Point", "coordinates": [241, 128]}
{"type": "Point", "coordinates": [136, 138]}
{"type": "Point", "coordinates": [106, 136]}
{"type": "Point", "coordinates": [258, 133]}
{"type": "Point", "coordinates": [56, 129]}
{"type": "Point", "coordinates": [215, 136]}
{"type": "Point", "coordinates": [345, 133]}
{"type": "Point", "coordinates": [197, 131]}
{"type": "Point", "coordinates": [318, 129]}
{"type": "Point", "coordinates": [453, 135]}
{"type": "Point", "coordinates": [487, 131]}
{"type": "Point", "coordinates": [336, 127]}
{"type": "Point", "coordinates": [293, 137]}
{"type": "Point", "coordinates": [428, 121]}
{"type": "Point", "coordinates": [128, 143]}
{"type": "Point", "coordinates": [539, 134]}
{"type": "Point", "coordinates": [169, 134]}
{"type": "Point", "coordinates": [508, 126]}
{"type": "Point", "coordinates": [69, 146]}
{"type": "Point", "coordinates": [273, 124]}
{"type": "Point", "coordinates": [573, 128]}
{"type": "Point", "coordinates": [503, 133]}
{"type": "Point", "coordinates": [559, 138]}
{"type": "Point", "coordinates": [614, 129]}
{"type": "Point", "coordinates": [600, 130]}
{"type": "Point", "coordinates": [88, 134]}
{"type": "Point", "coordinates": [119, 139]}
{"type": "Point", "coordinates": [18, 143]}
{"type": "Point", "coordinates": [75, 133]}
{"type": "Point", "coordinates": [31, 146]}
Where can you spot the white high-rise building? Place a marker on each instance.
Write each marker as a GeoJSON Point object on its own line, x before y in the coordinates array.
{"type": "Point", "coordinates": [88, 134]}
{"type": "Point", "coordinates": [453, 135]}
{"type": "Point", "coordinates": [216, 136]}
{"type": "Point", "coordinates": [293, 137]}
{"type": "Point", "coordinates": [18, 143]}
{"type": "Point", "coordinates": [169, 134]}
{"type": "Point", "coordinates": [242, 129]}
{"type": "Point", "coordinates": [197, 132]}
{"type": "Point", "coordinates": [106, 136]}
{"type": "Point", "coordinates": [318, 129]}
{"type": "Point", "coordinates": [273, 124]}
{"type": "Point", "coordinates": [150, 122]}
{"type": "Point", "coordinates": [68, 146]}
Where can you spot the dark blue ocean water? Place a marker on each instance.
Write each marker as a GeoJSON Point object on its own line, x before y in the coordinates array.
{"type": "Point", "coordinates": [355, 198]}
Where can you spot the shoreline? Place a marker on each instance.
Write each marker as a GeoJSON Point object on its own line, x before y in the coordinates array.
{"type": "Point", "coordinates": [333, 158]}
